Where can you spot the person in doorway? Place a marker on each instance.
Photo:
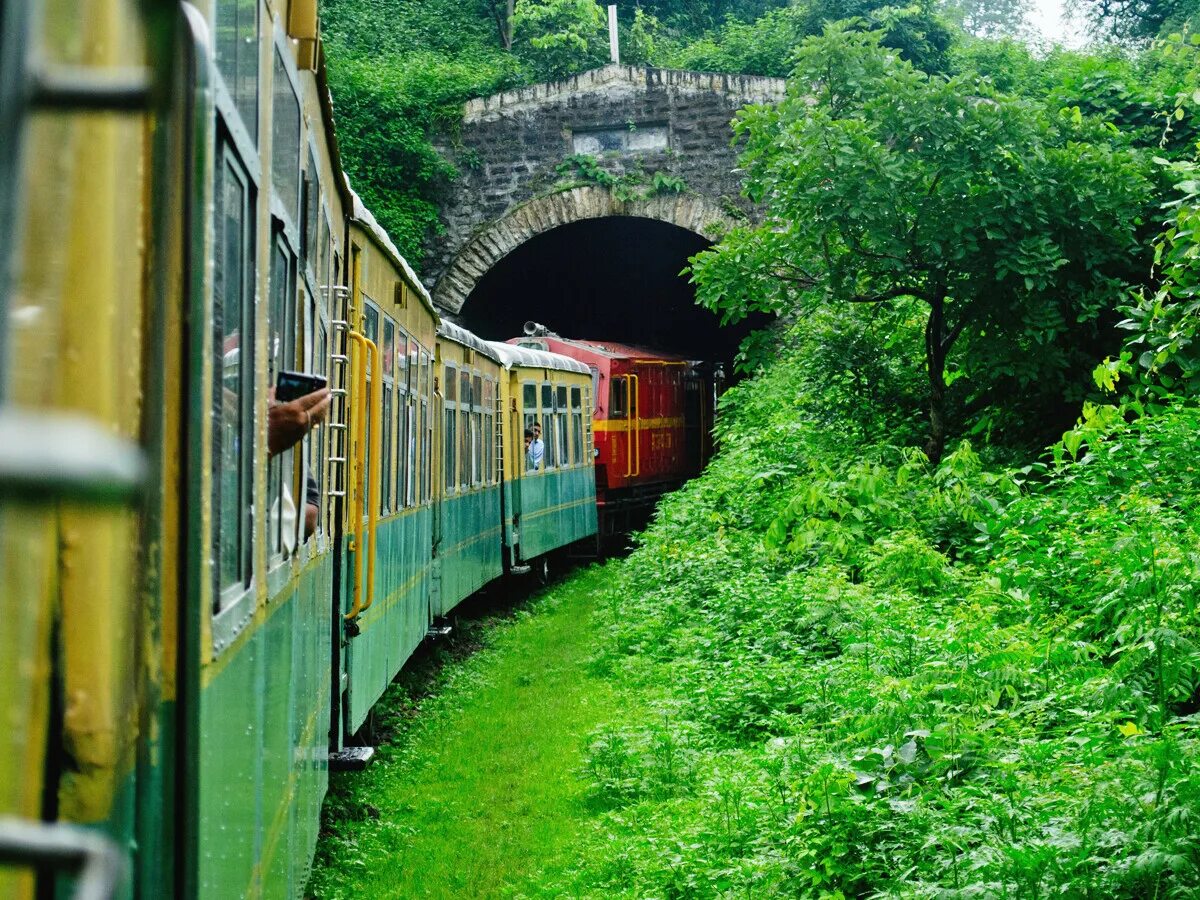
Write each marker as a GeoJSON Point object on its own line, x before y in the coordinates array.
{"type": "Point", "coordinates": [537, 450]}
{"type": "Point", "coordinates": [529, 465]}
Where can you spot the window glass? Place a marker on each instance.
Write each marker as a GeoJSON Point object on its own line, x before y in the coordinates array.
{"type": "Point", "coordinates": [312, 213]}
{"type": "Point", "coordinates": [529, 395]}
{"type": "Point", "coordinates": [410, 480]}
{"type": "Point", "coordinates": [560, 434]}
{"type": "Point", "coordinates": [402, 357]}
{"type": "Point", "coordinates": [577, 424]}
{"type": "Point", "coordinates": [281, 332]}
{"type": "Point", "coordinates": [449, 442]}
{"type": "Point", "coordinates": [237, 57]}
{"type": "Point", "coordinates": [388, 348]}
{"type": "Point", "coordinates": [233, 343]}
{"type": "Point", "coordinates": [371, 331]}
{"type": "Point", "coordinates": [450, 437]}
{"type": "Point", "coordinates": [426, 481]}
{"type": "Point", "coordinates": [464, 429]}
{"type": "Point", "coordinates": [477, 445]}
{"type": "Point", "coordinates": [385, 480]}
{"type": "Point", "coordinates": [548, 433]}
{"type": "Point", "coordinates": [285, 141]}
{"type": "Point", "coordinates": [616, 405]}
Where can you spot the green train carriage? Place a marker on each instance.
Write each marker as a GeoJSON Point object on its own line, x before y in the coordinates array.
{"type": "Point", "coordinates": [554, 506]}
{"type": "Point", "coordinates": [467, 544]}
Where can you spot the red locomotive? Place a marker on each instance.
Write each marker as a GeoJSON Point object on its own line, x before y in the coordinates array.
{"type": "Point", "coordinates": [652, 418]}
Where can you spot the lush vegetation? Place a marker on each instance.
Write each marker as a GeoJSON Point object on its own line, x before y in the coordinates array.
{"type": "Point", "coordinates": [479, 779]}
{"type": "Point", "coordinates": [400, 69]}
{"type": "Point", "coordinates": [927, 626]}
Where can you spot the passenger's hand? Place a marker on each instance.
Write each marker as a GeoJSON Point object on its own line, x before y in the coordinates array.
{"type": "Point", "coordinates": [288, 422]}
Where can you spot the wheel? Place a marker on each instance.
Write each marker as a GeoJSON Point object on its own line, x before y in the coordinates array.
{"type": "Point", "coordinates": [542, 569]}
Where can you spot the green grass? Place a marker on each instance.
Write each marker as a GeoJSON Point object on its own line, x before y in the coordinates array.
{"type": "Point", "coordinates": [483, 786]}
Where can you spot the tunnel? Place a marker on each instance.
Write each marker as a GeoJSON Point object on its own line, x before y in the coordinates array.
{"type": "Point", "coordinates": [612, 279]}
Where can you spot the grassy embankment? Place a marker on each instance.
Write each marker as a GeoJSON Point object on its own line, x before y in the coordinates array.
{"type": "Point", "coordinates": [481, 784]}
{"type": "Point", "coordinates": [830, 670]}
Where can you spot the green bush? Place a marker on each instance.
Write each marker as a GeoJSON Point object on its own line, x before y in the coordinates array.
{"type": "Point", "coordinates": [879, 678]}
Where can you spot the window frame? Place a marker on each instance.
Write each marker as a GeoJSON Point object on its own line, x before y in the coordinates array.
{"type": "Point", "coordinates": [449, 427]}
{"type": "Point", "coordinates": [227, 595]}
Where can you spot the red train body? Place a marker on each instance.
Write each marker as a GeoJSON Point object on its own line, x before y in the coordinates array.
{"type": "Point", "coordinates": [651, 420]}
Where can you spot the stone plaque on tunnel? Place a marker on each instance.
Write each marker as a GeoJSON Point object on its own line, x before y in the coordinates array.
{"type": "Point", "coordinates": [629, 138]}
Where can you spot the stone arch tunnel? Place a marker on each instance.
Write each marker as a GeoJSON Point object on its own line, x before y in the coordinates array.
{"type": "Point", "coordinates": [530, 234]}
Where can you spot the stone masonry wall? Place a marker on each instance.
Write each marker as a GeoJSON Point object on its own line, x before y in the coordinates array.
{"type": "Point", "coordinates": [509, 146]}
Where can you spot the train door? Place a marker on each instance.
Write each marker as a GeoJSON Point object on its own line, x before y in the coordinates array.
{"type": "Point", "coordinates": [82, 684]}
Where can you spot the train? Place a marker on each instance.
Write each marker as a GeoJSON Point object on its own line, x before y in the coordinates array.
{"type": "Point", "coordinates": [652, 421]}
{"type": "Point", "coordinates": [197, 617]}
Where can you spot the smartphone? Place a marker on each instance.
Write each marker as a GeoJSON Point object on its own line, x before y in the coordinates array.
{"type": "Point", "coordinates": [290, 385]}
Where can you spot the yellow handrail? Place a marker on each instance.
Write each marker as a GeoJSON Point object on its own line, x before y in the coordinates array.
{"type": "Point", "coordinates": [354, 510]}
{"type": "Point", "coordinates": [636, 407]}
{"type": "Point", "coordinates": [376, 463]}
{"type": "Point", "coordinates": [628, 428]}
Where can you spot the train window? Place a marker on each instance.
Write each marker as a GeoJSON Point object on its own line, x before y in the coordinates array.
{"type": "Point", "coordinates": [237, 57]}
{"type": "Point", "coordinates": [560, 428]}
{"type": "Point", "coordinates": [233, 378]}
{"type": "Point", "coordinates": [388, 353]}
{"type": "Point", "coordinates": [618, 399]}
{"type": "Point", "coordinates": [410, 448]}
{"type": "Point", "coordinates": [312, 214]}
{"type": "Point", "coordinates": [371, 331]}
{"type": "Point", "coordinates": [411, 412]}
{"type": "Point", "coordinates": [402, 479]}
{"type": "Point", "coordinates": [489, 438]}
{"type": "Point", "coordinates": [285, 139]}
{"type": "Point", "coordinates": [281, 355]}
{"type": "Point", "coordinates": [450, 440]}
{"type": "Point", "coordinates": [577, 423]}
{"type": "Point", "coordinates": [464, 429]}
{"type": "Point", "coordinates": [402, 359]}
{"type": "Point", "coordinates": [426, 482]}
{"type": "Point", "coordinates": [551, 457]}
{"type": "Point", "coordinates": [529, 404]}
{"type": "Point", "coordinates": [478, 445]}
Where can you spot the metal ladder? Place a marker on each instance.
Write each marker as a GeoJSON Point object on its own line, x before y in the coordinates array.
{"type": "Point", "coordinates": [339, 402]}
{"type": "Point", "coordinates": [498, 429]}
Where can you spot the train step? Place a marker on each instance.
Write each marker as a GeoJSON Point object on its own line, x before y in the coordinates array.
{"type": "Point", "coordinates": [351, 759]}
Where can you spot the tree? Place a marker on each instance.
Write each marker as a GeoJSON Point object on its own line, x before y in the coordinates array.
{"type": "Point", "coordinates": [1138, 20]}
{"type": "Point", "coordinates": [559, 38]}
{"type": "Point", "coordinates": [1014, 231]}
{"type": "Point", "coordinates": [992, 18]}
{"type": "Point", "coordinates": [501, 13]}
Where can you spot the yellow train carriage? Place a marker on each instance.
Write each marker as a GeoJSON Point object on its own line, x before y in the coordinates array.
{"type": "Point", "coordinates": [79, 315]}
{"type": "Point", "coordinates": [388, 368]}
{"type": "Point", "coordinates": [266, 254]}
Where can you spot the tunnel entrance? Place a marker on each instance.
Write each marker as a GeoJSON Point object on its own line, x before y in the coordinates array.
{"type": "Point", "coordinates": [614, 279]}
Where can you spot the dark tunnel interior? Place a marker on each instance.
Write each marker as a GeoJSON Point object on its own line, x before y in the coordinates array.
{"type": "Point", "coordinates": [614, 279]}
